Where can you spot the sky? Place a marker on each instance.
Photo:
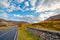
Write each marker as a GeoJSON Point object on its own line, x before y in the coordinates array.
{"type": "Point", "coordinates": [29, 10]}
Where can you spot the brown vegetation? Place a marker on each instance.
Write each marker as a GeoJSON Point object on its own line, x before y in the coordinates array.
{"type": "Point", "coordinates": [53, 24]}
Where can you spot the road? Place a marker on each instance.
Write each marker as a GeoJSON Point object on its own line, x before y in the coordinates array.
{"type": "Point", "coordinates": [9, 34]}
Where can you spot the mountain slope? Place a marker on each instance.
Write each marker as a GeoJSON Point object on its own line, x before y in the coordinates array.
{"type": "Point", "coordinates": [52, 23]}
{"type": "Point", "coordinates": [54, 17]}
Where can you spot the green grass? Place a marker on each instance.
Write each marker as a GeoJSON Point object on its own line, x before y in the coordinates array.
{"type": "Point", "coordinates": [25, 35]}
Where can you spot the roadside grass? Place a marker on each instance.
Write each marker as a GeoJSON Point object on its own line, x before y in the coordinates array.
{"type": "Point", "coordinates": [23, 34]}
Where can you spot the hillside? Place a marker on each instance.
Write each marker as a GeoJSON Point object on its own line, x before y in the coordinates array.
{"type": "Point", "coordinates": [11, 23]}
{"type": "Point", "coordinates": [54, 17]}
{"type": "Point", "coordinates": [52, 23]}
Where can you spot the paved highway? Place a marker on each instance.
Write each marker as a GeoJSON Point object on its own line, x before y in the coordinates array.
{"type": "Point", "coordinates": [9, 34]}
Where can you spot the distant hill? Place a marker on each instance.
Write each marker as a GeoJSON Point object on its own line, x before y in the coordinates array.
{"type": "Point", "coordinates": [17, 22]}
{"type": "Point", "coordinates": [7, 22]}
{"type": "Point", "coordinates": [3, 23]}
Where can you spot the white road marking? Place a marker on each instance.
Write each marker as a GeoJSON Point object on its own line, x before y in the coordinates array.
{"type": "Point", "coordinates": [6, 33]}
{"type": "Point", "coordinates": [15, 36]}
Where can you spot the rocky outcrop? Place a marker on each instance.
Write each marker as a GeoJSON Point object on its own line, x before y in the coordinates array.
{"type": "Point", "coordinates": [44, 34]}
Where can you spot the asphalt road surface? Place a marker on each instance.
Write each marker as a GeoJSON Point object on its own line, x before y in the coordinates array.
{"type": "Point", "coordinates": [9, 34]}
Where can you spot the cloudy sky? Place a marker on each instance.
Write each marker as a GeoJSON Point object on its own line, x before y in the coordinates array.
{"type": "Point", "coordinates": [28, 10]}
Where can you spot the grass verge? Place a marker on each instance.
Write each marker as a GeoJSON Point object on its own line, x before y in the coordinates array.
{"type": "Point", "coordinates": [25, 35]}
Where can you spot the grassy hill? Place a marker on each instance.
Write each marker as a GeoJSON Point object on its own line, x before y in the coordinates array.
{"type": "Point", "coordinates": [53, 24]}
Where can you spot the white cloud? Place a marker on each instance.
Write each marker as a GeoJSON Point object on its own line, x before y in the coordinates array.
{"type": "Point", "coordinates": [11, 8]}
{"type": "Point", "coordinates": [18, 8]}
{"type": "Point", "coordinates": [32, 2]}
{"type": "Point", "coordinates": [19, 1]}
{"type": "Point", "coordinates": [17, 15]}
{"type": "Point", "coordinates": [29, 16]}
{"type": "Point", "coordinates": [33, 8]}
{"type": "Point", "coordinates": [26, 3]}
{"type": "Point", "coordinates": [4, 4]}
{"type": "Point", "coordinates": [41, 8]}
{"type": "Point", "coordinates": [3, 15]}
{"type": "Point", "coordinates": [48, 5]}
{"type": "Point", "coordinates": [27, 9]}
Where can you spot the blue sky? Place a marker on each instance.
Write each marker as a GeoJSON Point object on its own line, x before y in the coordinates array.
{"type": "Point", "coordinates": [28, 10]}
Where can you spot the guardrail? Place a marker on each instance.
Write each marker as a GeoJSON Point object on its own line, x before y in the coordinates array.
{"type": "Point", "coordinates": [44, 34]}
